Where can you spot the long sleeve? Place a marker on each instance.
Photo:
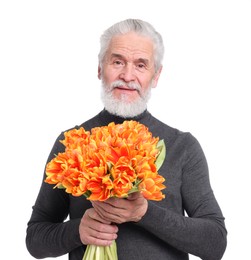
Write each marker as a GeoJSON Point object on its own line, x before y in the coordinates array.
{"type": "Point", "coordinates": [202, 232]}
{"type": "Point", "coordinates": [46, 239]}
{"type": "Point", "coordinates": [47, 233]}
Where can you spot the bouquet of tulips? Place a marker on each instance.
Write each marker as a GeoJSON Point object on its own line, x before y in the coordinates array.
{"type": "Point", "coordinates": [109, 161]}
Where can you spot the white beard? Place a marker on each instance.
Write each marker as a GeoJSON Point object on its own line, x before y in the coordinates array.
{"type": "Point", "coordinates": [121, 106]}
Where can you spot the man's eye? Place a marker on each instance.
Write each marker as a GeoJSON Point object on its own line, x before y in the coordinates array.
{"type": "Point", "coordinates": [141, 66]}
{"type": "Point", "coordinates": [117, 62]}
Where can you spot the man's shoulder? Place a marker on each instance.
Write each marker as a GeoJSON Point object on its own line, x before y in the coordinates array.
{"type": "Point", "coordinates": [168, 132]}
{"type": "Point", "coordinates": [159, 126]}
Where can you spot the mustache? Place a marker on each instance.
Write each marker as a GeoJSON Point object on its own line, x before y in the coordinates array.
{"type": "Point", "coordinates": [129, 85]}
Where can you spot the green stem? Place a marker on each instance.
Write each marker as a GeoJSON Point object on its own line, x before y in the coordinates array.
{"type": "Point", "coordinates": [101, 253]}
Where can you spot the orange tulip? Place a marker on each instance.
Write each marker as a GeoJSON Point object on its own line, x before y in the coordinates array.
{"type": "Point", "coordinates": [100, 188]}
{"type": "Point", "coordinates": [151, 188]}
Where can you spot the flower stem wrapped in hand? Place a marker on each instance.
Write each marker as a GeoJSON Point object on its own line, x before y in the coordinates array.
{"type": "Point", "coordinates": [110, 161]}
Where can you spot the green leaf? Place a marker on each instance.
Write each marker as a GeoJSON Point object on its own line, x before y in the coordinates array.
{"type": "Point", "coordinates": [87, 194]}
{"type": "Point", "coordinates": [60, 186]}
{"type": "Point", "coordinates": [162, 154]}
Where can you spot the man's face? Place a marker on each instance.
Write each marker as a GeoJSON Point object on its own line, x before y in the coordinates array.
{"type": "Point", "coordinates": [128, 73]}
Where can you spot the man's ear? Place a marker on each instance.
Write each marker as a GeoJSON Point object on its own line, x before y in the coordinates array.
{"type": "Point", "coordinates": [99, 72]}
{"type": "Point", "coordinates": [156, 77]}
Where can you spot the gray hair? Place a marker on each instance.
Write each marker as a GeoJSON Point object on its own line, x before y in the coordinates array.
{"type": "Point", "coordinates": [133, 25]}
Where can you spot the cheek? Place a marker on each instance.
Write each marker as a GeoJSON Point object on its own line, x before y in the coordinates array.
{"type": "Point", "coordinates": [109, 76]}
{"type": "Point", "coordinates": [145, 83]}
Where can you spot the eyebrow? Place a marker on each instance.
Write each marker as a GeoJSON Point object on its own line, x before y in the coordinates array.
{"type": "Point", "coordinates": [116, 55]}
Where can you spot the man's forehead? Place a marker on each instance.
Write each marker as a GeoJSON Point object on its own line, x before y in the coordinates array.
{"type": "Point", "coordinates": [131, 46]}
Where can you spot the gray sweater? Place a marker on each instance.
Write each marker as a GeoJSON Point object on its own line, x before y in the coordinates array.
{"type": "Point", "coordinates": [188, 221]}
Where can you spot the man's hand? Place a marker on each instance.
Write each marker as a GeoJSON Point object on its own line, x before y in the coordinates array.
{"type": "Point", "coordinates": [116, 210]}
{"type": "Point", "coordinates": [96, 231]}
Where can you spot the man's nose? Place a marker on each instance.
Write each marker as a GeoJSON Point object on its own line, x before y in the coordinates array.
{"type": "Point", "coordinates": [128, 73]}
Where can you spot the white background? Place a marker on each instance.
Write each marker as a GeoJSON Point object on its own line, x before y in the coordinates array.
{"type": "Point", "coordinates": [48, 83]}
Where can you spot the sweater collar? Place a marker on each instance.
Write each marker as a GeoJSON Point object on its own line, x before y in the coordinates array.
{"type": "Point", "coordinates": [106, 117]}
